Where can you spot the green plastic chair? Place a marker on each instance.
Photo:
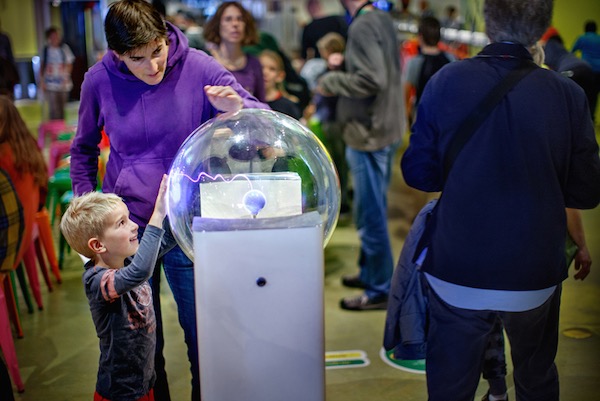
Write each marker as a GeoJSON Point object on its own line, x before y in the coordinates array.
{"type": "Point", "coordinates": [58, 184]}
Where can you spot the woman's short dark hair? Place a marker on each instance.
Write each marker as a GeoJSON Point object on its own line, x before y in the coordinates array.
{"type": "Point", "coordinates": [131, 24]}
{"type": "Point", "coordinates": [517, 21]}
{"type": "Point", "coordinates": [211, 29]}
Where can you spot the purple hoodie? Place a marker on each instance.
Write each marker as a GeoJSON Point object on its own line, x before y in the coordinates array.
{"type": "Point", "coordinates": [146, 124]}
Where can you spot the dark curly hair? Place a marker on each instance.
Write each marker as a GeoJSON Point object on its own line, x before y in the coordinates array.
{"type": "Point", "coordinates": [211, 29]}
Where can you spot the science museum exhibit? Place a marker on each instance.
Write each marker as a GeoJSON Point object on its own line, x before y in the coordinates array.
{"type": "Point", "coordinates": [253, 198]}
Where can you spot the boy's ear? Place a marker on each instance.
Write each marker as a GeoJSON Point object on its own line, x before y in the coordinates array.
{"type": "Point", "coordinates": [96, 245]}
{"type": "Point", "coordinates": [280, 77]}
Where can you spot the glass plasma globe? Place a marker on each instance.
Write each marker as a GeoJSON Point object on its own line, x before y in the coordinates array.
{"type": "Point", "coordinates": [251, 164]}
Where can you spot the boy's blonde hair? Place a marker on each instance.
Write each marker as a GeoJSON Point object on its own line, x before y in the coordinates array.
{"type": "Point", "coordinates": [86, 218]}
{"type": "Point", "coordinates": [332, 42]}
{"type": "Point", "coordinates": [273, 55]}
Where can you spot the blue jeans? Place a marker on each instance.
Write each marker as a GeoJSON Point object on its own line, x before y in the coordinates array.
{"type": "Point", "coordinates": [180, 276]}
{"type": "Point", "coordinates": [371, 173]}
{"type": "Point", "coordinates": [457, 340]}
{"type": "Point", "coordinates": [161, 385]}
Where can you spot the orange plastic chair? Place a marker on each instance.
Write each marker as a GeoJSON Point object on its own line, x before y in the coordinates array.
{"type": "Point", "coordinates": [42, 219]}
{"type": "Point", "coordinates": [40, 249]}
{"type": "Point", "coordinates": [29, 260]}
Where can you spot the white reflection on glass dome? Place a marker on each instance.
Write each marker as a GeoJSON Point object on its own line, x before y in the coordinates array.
{"type": "Point", "coordinates": [253, 164]}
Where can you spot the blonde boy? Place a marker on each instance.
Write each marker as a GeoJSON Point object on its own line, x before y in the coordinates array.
{"type": "Point", "coordinates": [275, 94]}
{"type": "Point", "coordinates": [97, 225]}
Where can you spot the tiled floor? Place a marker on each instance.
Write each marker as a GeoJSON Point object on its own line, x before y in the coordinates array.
{"type": "Point", "coordinates": [58, 355]}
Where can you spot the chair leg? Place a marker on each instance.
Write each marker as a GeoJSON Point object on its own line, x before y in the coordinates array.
{"type": "Point", "coordinates": [6, 340]}
{"type": "Point", "coordinates": [62, 244]}
{"type": "Point", "coordinates": [43, 221]}
{"type": "Point", "coordinates": [32, 275]}
{"type": "Point", "coordinates": [42, 263]}
{"type": "Point", "coordinates": [13, 282]}
{"type": "Point", "coordinates": [63, 248]}
{"type": "Point", "coordinates": [52, 203]}
{"type": "Point", "coordinates": [24, 290]}
{"type": "Point", "coordinates": [6, 292]}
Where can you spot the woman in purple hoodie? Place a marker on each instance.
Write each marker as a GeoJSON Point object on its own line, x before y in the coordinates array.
{"type": "Point", "coordinates": [149, 92]}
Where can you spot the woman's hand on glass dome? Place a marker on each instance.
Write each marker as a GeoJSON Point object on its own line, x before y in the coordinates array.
{"type": "Point", "coordinates": [224, 98]}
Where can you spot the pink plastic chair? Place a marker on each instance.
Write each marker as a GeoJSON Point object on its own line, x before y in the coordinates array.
{"type": "Point", "coordinates": [52, 128]}
{"type": "Point", "coordinates": [8, 308]}
{"type": "Point", "coordinates": [58, 150]}
{"type": "Point", "coordinates": [29, 259]}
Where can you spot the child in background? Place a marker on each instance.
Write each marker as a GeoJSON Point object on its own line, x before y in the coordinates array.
{"type": "Point", "coordinates": [424, 65]}
{"type": "Point", "coordinates": [274, 75]}
{"type": "Point", "coordinates": [55, 73]}
{"type": "Point", "coordinates": [330, 44]}
{"type": "Point", "coordinates": [331, 47]}
{"type": "Point", "coordinates": [97, 225]}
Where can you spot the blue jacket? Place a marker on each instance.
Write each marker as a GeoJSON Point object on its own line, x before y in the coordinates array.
{"type": "Point", "coordinates": [145, 124]}
{"type": "Point", "coordinates": [406, 319]}
{"type": "Point", "coordinates": [502, 222]}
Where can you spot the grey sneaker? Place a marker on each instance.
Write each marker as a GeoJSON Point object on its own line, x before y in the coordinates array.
{"type": "Point", "coordinates": [486, 397]}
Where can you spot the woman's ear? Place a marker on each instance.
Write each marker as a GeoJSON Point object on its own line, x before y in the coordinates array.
{"type": "Point", "coordinates": [120, 57]}
{"type": "Point", "coordinates": [96, 245]}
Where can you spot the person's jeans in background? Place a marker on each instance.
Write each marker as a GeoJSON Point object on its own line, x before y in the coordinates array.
{"type": "Point", "coordinates": [371, 173]}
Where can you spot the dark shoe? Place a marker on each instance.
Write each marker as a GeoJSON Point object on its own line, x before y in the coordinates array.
{"type": "Point", "coordinates": [486, 397]}
{"type": "Point", "coordinates": [363, 302]}
{"type": "Point", "coordinates": [353, 282]}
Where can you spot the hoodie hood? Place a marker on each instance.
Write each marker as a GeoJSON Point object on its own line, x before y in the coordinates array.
{"type": "Point", "coordinates": [178, 47]}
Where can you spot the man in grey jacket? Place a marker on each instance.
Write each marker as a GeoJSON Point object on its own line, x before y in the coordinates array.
{"type": "Point", "coordinates": [370, 107]}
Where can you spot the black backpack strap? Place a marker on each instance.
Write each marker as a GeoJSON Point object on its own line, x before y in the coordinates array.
{"type": "Point", "coordinates": [464, 133]}
{"type": "Point", "coordinates": [478, 116]}
{"type": "Point", "coordinates": [44, 59]}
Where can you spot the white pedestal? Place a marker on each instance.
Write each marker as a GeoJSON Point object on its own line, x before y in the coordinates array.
{"type": "Point", "coordinates": [259, 301]}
